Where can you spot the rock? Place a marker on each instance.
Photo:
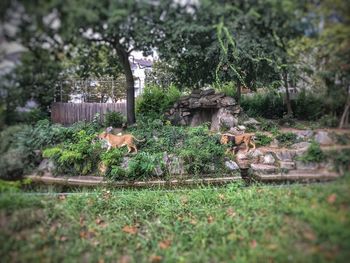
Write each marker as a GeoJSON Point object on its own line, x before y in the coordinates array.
{"type": "Point", "coordinates": [207, 92]}
{"type": "Point", "coordinates": [287, 165]}
{"type": "Point", "coordinates": [301, 145]}
{"type": "Point", "coordinates": [306, 134]}
{"type": "Point", "coordinates": [185, 113]}
{"type": "Point", "coordinates": [242, 156]}
{"type": "Point", "coordinates": [231, 165]}
{"type": "Point", "coordinates": [125, 162]}
{"type": "Point", "coordinates": [251, 121]}
{"type": "Point", "coordinates": [195, 95]}
{"type": "Point", "coordinates": [193, 104]}
{"type": "Point", "coordinates": [323, 138]}
{"type": "Point", "coordinates": [306, 166]}
{"type": "Point", "coordinates": [268, 159]}
{"type": "Point", "coordinates": [158, 171]}
{"type": "Point", "coordinates": [285, 155]}
{"type": "Point", "coordinates": [254, 153]}
{"type": "Point", "coordinates": [241, 127]}
{"type": "Point", "coordinates": [274, 143]}
{"type": "Point", "coordinates": [227, 101]}
{"type": "Point", "coordinates": [235, 130]}
{"type": "Point", "coordinates": [174, 164]}
{"type": "Point", "coordinates": [264, 168]}
{"type": "Point", "coordinates": [196, 91]}
{"type": "Point", "coordinates": [46, 165]}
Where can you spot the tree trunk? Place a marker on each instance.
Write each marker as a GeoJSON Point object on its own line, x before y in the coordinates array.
{"type": "Point", "coordinates": [288, 103]}
{"type": "Point", "coordinates": [345, 115]}
{"type": "Point", "coordinates": [130, 88]}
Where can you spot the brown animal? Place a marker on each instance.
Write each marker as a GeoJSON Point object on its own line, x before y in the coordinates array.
{"type": "Point", "coordinates": [117, 141]}
{"type": "Point", "coordinates": [246, 138]}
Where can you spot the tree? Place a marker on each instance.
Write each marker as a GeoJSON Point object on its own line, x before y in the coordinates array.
{"type": "Point", "coordinates": [122, 26]}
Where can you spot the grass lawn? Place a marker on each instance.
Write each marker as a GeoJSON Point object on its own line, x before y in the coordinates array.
{"type": "Point", "coordinates": [298, 223]}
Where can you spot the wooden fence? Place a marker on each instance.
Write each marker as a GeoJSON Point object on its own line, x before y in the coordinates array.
{"type": "Point", "coordinates": [68, 113]}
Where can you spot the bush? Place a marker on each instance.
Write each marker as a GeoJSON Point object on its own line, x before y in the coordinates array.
{"type": "Point", "coordinates": [308, 106]}
{"type": "Point", "coordinates": [228, 88]}
{"type": "Point", "coordinates": [341, 159]}
{"type": "Point", "coordinates": [145, 164]}
{"type": "Point", "coordinates": [329, 121]}
{"type": "Point", "coordinates": [262, 139]}
{"type": "Point", "coordinates": [77, 157]}
{"type": "Point", "coordinates": [287, 138]}
{"type": "Point", "coordinates": [114, 119]}
{"type": "Point", "coordinates": [313, 154]}
{"type": "Point", "coordinates": [154, 101]}
{"type": "Point", "coordinates": [201, 151]}
{"type": "Point", "coordinates": [268, 105]}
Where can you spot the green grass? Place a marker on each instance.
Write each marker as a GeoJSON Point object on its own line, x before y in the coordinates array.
{"type": "Point", "coordinates": [298, 223]}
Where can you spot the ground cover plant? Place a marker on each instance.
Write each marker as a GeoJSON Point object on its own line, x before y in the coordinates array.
{"type": "Point", "coordinates": [297, 223]}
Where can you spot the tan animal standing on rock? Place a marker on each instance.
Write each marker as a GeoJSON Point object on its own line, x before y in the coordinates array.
{"type": "Point", "coordinates": [117, 141]}
{"type": "Point", "coordinates": [237, 140]}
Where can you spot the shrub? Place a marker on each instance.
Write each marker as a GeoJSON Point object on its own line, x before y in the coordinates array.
{"type": "Point", "coordinates": [287, 138]}
{"type": "Point", "coordinates": [308, 106]}
{"type": "Point", "coordinates": [201, 151]}
{"type": "Point", "coordinates": [78, 157]}
{"type": "Point", "coordinates": [154, 101]}
{"type": "Point", "coordinates": [341, 159]}
{"type": "Point", "coordinates": [112, 160]}
{"type": "Point", "coordinates": [114, 119]}
{"type": "Point", "coordinates": [228, 88]}
{"type": "Point", "coordinates": [144, 165]}
{"type": "Point", "coordinates": [262, 139]}
{"type": "Point", "coordinates": [313, 154]}
{"type": "Point", "coordinates": [268, 105]}
{"type": "Point", "coordinates": [329, 121]}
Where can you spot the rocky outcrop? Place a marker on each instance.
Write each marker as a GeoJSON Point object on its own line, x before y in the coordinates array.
{"type": "Point", "coordinates": [205, 106]}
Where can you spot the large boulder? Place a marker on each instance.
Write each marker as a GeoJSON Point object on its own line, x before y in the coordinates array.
{"type": "Point", "coordinates": [323, 138]}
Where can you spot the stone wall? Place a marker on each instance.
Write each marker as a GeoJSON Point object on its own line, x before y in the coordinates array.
{"type": "Point", "coordinates": [205, 106]}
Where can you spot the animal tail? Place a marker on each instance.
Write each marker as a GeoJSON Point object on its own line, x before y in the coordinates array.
{"type": "Point", "coordinates": [138, 139]}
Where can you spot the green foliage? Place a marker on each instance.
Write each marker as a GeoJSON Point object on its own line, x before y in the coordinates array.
{"type": "Point", "coordinates": [262, 139]}
{"type": "Point", "coordinates": [154, 101]}
{"type": "Point", "coordinates": [329, 121]}
{"type": "Point", "coordinates": [77, 157]}
{"type": "Point", "coordinates": [308, 106]}
{"type": "Point", "coordinates": [287, 138]}
{"type": "Point", "coordinates": [228, 88]}
{"type": "Point", "coordinates": [268, 105]}
{"type": "Point", "coordinates": [313, 154]}
{"type": "Point", "coordinates": [114, 119]}
{"type": "Point", "coordinates": [145, 164]}
{"type": "Point", "coordinates": [268, 125]}
{"type": "Point", "coordinates": [201, 151]}
{"type": "Point", "coordinates": [341, 159]}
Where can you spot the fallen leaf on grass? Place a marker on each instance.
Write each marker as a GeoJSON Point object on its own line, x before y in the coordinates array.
{"type": "Point", "coordinates": [81, 221]}
{"type": "Point", "coordinates": [164, 244]}
{"type": "Point", "coordinates": [63, 238]}
{"type": "Point", "coordinates": [210, 219]}
{"type": "Point", "coordinates": [331, 198]}
{"type": "Point", "coordinates": [230, 212]}
{"type": "Point", "coordinates": [309, 235]}
{"type": "Point", "coordinates": [272, 246]}
{"type": "Point", "coordinates": [155, 258]}
{"type": "Point", "coordinates": [86, 234]}
{"type": "Point", "coordinates": [124, 259]}
{"type": "Point", "coordinates": [221, 197]}
{"type": "Point", "coordinates": [253, 244]}
{"type": "Point", "coordinates": [130, 229]}
{"type": "Point", "coordinates": [193, 222]}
